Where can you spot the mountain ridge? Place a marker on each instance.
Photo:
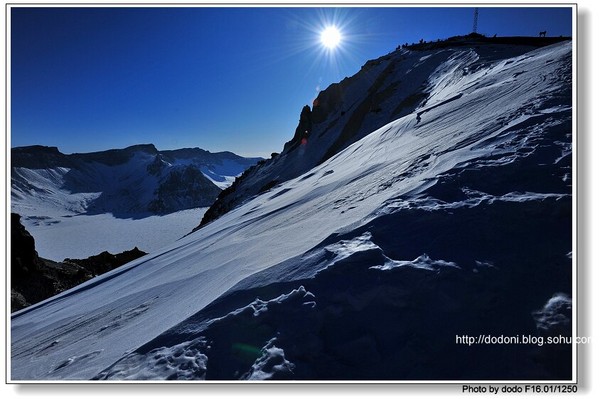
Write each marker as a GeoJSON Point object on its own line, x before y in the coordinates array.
{"type": "Point", "coordinates": [389, 87]}
{"type": "Point", "coordinates": [133, 180]}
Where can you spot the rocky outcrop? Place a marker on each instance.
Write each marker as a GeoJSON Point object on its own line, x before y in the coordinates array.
{"type": "Point", "coordinates": [42, 157]}
{"type": "Point", "coordinates": [38, 157]}
{"type": "Point", "coordinates": [28, 282]}
{"type": "Point", "coordinates": [302, 131]}
{"type": "Point", "coordinates": [105, 261]}
{"type": "Point", "coordinates": [34, 279]}
{"type": "Point", "coordinates": [157, 166]}
{"type": "Point", "coordinates": [183, 188]}
{"type": "Point", "coordinates": [115, 156]}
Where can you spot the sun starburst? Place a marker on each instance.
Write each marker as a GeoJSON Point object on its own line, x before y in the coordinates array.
{"type": "Point", "coordinates": [331, 37]}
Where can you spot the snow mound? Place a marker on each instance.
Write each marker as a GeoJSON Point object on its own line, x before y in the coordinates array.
{"type": "Point", "coordinates": [240, 343]}
{"type": "Point", "coordinates": [271, 365]}
{"type": "Point", "coordinates": [370, 252]}
{"type": "Point", "coordinates": [422, 262]}
{"type": "Point", "coordinates": [184, 361]}
{"type": "Point", "coordinates": [555, 316]}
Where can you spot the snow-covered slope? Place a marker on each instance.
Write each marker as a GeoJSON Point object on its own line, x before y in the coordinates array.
{"type": "Point", "coordinates": [385, 89]}
{"type": "Point", "coordinates": [367, 266]}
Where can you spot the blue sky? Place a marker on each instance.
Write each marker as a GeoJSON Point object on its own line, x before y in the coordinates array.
{"type": "Point", "coordinates": [90, 79]}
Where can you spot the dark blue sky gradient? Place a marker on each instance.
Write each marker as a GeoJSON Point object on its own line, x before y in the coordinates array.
{"type": "Point", "coordinates": [89, 79]}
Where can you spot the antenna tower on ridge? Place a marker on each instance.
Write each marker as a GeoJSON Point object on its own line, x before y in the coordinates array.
{"type": "Point", "coordinates": [475, 17]}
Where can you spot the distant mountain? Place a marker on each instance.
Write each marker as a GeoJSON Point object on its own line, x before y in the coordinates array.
{"type": "Point", "coordinates": [135, 180]}
{"type": "Point", "coordinates": [430, 219]}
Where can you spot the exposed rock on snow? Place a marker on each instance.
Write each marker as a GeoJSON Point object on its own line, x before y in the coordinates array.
{"type": "Point", "coordinates": [34, 279]}
{"type": "Point", "coordinates": [28, 284]}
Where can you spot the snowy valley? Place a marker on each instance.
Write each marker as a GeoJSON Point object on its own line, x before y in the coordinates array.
{"type": "Point", "coordinates": [426, 198]}
{"type": "Point", "coordinates": [149, 197]}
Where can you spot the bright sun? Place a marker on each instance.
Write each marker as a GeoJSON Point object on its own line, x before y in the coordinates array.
{"type": "Point", "coordinates": [331, 37]}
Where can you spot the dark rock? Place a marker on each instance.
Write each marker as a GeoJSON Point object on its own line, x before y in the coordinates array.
{"type": "Point", "coordinates": [303, 130]}
{"type": "Point", "coordinates": [184, 188]}
{"type": "Point", "coordinates": [105, 261]}
{"type": "Point", "coordinates": [24, 258]}
{"type": "Point", "coordinates": [17, 300]}
{"type": "Point", "coordinates": [268, 186]}
{"type": "Point", "coordinates": [34, 279]}
{"type": "Point", "coordinates": [156, 166]}
{"type": "Point", "coordinates": [116, 156]}
{"type": "Point", "coordinates": [38, 156]}
{"type": "Point", "coordinates": [29, 282]}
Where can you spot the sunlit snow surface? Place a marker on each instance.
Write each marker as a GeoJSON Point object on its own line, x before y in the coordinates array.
{"type": "Point", "coordinates": [366, 267]}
